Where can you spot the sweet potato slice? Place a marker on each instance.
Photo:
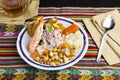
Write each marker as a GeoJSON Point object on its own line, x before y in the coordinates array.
{"type": "Point", "coordinates": [71, 29]}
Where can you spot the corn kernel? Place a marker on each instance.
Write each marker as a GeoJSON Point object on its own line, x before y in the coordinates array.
{"type": "Point", "coordinates": [52, 64]}
{"type": "Point", "coordinates": [54, 49]}
{"type": "Point", "coordinates": [55, 25]}
{"type": "Point", "coordinates": [37, 59]}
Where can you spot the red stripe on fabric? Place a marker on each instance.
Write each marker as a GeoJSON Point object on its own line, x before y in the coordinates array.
{"type": "Point", "coordinates": [10, 54]}
{"type": "Point", "coordinates": [92, 48]}
{"type": "Point", "coordinates": [90, 55]}
{"type": "Point", "coordinates": [7, 48]}
{"type": "Point", "coordinates": [78, 20]}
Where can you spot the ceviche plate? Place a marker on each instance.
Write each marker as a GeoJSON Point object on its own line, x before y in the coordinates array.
{"type": "Point", "coordinates": [22, 46]}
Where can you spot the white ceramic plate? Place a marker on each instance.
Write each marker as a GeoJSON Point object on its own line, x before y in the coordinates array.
{"type": "Point", "coordinates": [23, 39]}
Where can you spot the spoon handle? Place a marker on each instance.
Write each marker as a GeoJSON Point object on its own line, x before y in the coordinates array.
{"type": "Point", "coordinates": [101, 46]}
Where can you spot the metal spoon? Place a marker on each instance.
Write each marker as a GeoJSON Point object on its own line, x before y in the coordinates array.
{"type": "Point", "coordinates": [108, 24]}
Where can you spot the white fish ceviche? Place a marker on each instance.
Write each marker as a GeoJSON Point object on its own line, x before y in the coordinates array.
{"type": "Point", "coordinates": [52, 43]}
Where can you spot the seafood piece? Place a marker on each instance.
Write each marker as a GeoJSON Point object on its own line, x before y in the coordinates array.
{"type": "Point", "coordinates": [34, 41]}
{"type": "Point", "coordinates": [40, 49]}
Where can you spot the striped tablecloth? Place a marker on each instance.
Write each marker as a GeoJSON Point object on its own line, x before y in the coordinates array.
{"type": "Point", "coordinates": [13, 67]}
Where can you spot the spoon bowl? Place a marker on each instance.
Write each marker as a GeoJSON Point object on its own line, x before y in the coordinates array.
{"type": "Point", "coordinates": [108, 23]}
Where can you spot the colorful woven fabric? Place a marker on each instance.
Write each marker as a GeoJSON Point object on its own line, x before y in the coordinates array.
{"type": "Point", "coordinates": [13, 67]}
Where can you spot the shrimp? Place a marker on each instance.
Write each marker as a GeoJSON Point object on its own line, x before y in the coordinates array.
{"type": "Point", "coordinates": [34, 41]}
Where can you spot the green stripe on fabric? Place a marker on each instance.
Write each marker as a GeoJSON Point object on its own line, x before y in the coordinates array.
{"type": "Point", "coordinates": [92, 51]}
{"type": "Point", "coordinates": [8, 50]}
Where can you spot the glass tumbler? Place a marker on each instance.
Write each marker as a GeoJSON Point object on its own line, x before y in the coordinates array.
{"type": "Point", "coordinates": [14, 8]}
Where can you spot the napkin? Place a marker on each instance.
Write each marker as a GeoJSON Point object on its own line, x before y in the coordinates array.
{"type": "Point", "coordinates": [111, 51]}
{"type": "Point", "coordinates": [31, 12]}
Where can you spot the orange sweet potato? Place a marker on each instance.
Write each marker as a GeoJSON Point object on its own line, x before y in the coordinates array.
{"type": "Point", "coordinates": [71, 29]}
{"type": "Point", "coordinates": [64, 45]}
{"type": "Point", "coordinates": [35, 54]}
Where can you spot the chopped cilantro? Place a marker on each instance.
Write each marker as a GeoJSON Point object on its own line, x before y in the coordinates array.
{"type": "Point", "coordinates": [49, 28]}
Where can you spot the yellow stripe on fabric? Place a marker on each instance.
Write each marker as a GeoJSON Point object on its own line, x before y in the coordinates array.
{"type": "Point", "coordinates": [19, 77]}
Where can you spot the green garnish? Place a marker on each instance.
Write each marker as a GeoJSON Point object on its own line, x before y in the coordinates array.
{"type": "Point", "coordinates": [49, 28]}
{"type": "Point", "coordinates": [51, 23]}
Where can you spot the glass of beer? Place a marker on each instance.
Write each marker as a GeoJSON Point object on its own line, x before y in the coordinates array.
{"type": "Point", "coordinates": [14, 8]}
